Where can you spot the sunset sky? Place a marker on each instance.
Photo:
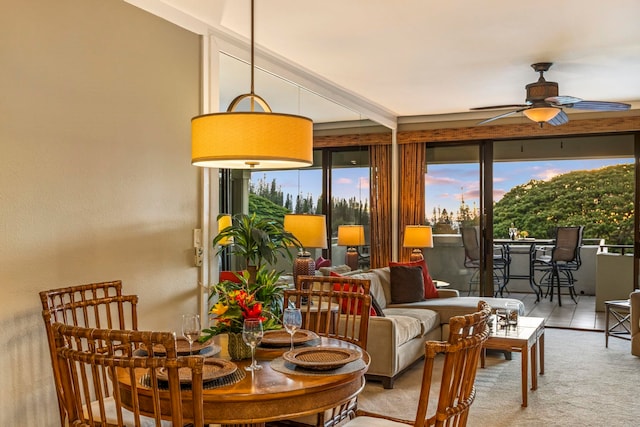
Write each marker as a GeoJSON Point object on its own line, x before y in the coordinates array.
{"type": "Point", "coordinates": [445, 183]}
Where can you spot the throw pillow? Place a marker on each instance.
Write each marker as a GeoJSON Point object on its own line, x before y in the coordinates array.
{"type": "Point", "coordinates": [345, 309]}
{"type": "Point", "coordinates": [407, 284]}
{"type": "Point", "coordinates": [430, 290]}
{"type": "Point", "coordinates": [376, 307]}
{"type": "Point", "coordinates": [322, 262]}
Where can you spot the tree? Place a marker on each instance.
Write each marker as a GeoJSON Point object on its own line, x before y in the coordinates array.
{"type": "Point", "coordinates": [601, 200]}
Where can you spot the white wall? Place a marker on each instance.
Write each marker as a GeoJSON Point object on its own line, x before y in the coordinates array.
{"type": "Point", "coordinates": [95, 175]}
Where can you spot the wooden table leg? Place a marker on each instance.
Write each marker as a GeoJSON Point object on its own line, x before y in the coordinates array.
{"type": "Point", "coordinates": [483, 355]}
{"type": "Point", "coordinates": [525, 374]}
{"type": "Point", "coordinates": [541, 349]}
{"type": "Point", "coordinates": [534, 367]}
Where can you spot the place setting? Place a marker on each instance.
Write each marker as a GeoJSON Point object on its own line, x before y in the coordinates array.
{"type": "Point", "coordinates": [291, 335]}
{"type": "Point", "coordinates": [216, 372]}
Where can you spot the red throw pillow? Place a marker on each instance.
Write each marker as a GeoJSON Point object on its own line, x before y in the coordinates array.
{"type": "Point", "coordinates": [345, 309]}
{"type": "Point", "coordinates": [322, 262]}
{"type": "Point", "coordinates": [429, 288]}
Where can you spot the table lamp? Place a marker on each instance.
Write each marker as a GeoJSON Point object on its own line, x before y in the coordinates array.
{"type": "Point", "coordinates": [311, 231]}
{"type": "Point", "coordinates": [351, 236]}
{"type": "Point", "coordinates": [224, 221]}
{"type": "Point", "coordinates": [416, 237]}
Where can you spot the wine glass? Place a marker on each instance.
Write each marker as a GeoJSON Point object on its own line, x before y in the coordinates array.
{"type": "Point", "coordinates": [292, 321]}
{"type": "Point", "coordinates": [252, 335]}
{"type": "Point", "coordinates": [191, 328]}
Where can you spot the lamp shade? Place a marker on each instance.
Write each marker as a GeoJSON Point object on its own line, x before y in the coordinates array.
{"type": "Point", "coordinates": [418, 236]}
{"type": "Point", "coordinates": [541, 114]}
{"type": "Point", "coordinates": [248, 140]}
{"type": "Point", "coordinates": [224, 221]}
{"type": "Point", "coordinates": [350, 235]}
{"type": "Point", "coordinates": [310, 230]}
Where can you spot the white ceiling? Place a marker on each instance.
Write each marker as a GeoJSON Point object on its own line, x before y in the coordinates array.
{"type": "Point", "coordinates": [390, 60]}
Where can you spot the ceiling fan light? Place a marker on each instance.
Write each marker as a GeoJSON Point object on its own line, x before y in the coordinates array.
{"type": "Point", "coordinates": [541, 114]}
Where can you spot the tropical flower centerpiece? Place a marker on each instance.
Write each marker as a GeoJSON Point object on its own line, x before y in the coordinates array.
{"type": "Point", "coordinates": [233, 302]}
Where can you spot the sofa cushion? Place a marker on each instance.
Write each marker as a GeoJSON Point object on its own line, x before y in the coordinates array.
{"type": "Point", "coordinates": [430, 290]}
{"type": "Point", "coordinates": [429, 319]}
{"type": "Point", "coordinates": [449, 307]}
{"type": "Point", "coordinates": [406, 328]}
{"type": "Point", "coordinates": [407, 284]}
{"type": "Point", "coordinates": [377, 288]}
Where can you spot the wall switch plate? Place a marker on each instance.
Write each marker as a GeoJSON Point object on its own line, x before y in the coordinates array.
{"type": "Point", "coordinates": [198, 254]}
{"type": "Point", "coordinates": [197, 238]}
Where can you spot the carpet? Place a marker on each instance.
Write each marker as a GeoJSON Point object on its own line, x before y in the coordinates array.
{"type": "Point", "coordinates": [584, 384]}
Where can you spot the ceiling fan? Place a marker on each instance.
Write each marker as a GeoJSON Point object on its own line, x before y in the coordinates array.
{"type": "Point", "coordinates": [543, 105]}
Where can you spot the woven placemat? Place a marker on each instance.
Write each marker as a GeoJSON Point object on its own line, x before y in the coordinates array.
{"type": "Point", "coordinates": [232, 378]}
{"type": "Point", "coordinates": [281, 365]}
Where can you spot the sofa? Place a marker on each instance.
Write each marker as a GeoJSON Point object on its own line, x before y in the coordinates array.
{"type": "Point", "coordinates": [396, 339]}
{"type": "Point", "coordinates": [634, 299]}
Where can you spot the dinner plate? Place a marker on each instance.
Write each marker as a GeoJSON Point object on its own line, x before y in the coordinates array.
{"type": "Point", "coordinates": [321, 358]}
{"type": "Point", "coordinates": [182, 346]}
{"type": "Point", "coordinates": [212, 369]}
{"type": "Point", "coordinates": [281, 338]}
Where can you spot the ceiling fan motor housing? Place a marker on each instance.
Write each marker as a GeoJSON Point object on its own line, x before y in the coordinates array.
{"type": "Point", "coordinates": [537, 92]}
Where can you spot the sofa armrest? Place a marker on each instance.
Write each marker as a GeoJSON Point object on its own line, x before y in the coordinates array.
{"type": "Point", "coordinates": [448, 293]}
{"type": "Point", "coordinates": [380, 346]}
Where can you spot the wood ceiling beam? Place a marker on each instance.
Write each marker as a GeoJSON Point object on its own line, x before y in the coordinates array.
{"type": "Point", "coordinates": [592, 126]}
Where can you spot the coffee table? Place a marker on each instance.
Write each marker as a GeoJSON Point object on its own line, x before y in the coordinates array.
{"type": "Point", "coordinates": [528, 339]}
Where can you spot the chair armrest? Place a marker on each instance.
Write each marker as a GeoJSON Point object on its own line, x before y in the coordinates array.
{"type": "Point", "coordinates": [634, 299]}
{"type": "Point", "coordinates": [448, 293]}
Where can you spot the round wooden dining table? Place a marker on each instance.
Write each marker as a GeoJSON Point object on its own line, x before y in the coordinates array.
{"type": "Point", "coordinates": [267, 394]}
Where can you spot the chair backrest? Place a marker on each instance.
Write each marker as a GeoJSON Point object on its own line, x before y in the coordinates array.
{"type": "Point", "coordinates": [94, 362]}
{"type": "Point", "coordinates": [567, 246]}
{"type": "Point", "coordinates": [471, 245]}
{"type": "Point", "coordinates": [461, 357]}
{"type": "Point", "coordinates": [340, 306]}
{"type": "Point", "coordinates": [95, 305]}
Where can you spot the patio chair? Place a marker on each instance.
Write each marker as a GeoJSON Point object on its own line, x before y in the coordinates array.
{"type": "Point", "coordinates": [558, 263]}
{"type": "Point", "coordinates": [501, 261]}
{"type": "Point", "coordinates": [457, 382]}
{"type": "Point", "coordinates": [93, 362]}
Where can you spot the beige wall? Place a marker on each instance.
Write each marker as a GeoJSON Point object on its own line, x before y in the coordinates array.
{"type": "Point", "coordinates": [96, 183]}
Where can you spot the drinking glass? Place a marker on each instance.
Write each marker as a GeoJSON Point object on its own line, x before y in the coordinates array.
{"type": "Point", "coordinates": [252, 335]}
{"type": "Point", "coordinates": [292, 321]}
{"type": "Point", "coordinates": [191, 328]}
{"type": "Point", "coordinates": [513, 309]}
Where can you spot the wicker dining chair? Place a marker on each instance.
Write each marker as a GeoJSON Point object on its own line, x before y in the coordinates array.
{"type": "Point", "coordinates": [98, 305]}
{"type": "Point", "coordinates": [340, 306]}
{"type": "Point", "coordinates": [340, 309]}
{"type": "Point", "coordinates": [457, 382]}
{"type": "Point", "coordinates": [91, 360]}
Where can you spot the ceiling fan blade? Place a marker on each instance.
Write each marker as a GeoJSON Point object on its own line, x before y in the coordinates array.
{"type": "Point", "coordinates": [600, 106]}
{"type": "Point", "coordinates": [560, 119]}
{"type": "Point", "coordinates": [562, 100]}
{"type": "Point", "coordinates": [496, 107]}
{"type": "Point", "coordinates": [502, 115]}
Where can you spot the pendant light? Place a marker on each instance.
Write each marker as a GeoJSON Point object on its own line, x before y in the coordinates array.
{"type": "Point", "coordinates": [253, 139]}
